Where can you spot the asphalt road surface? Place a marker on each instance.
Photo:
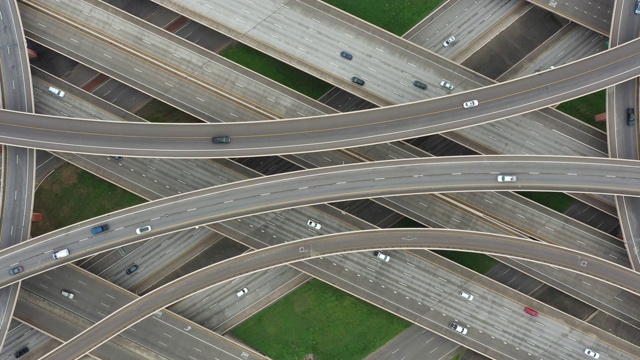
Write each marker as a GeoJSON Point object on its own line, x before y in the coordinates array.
{"type": "Point", "coordinates": [232, 268]}
{"type": "Point", "coordinates": [327, 132]}
{"type": "Point", "coordinates": [320, 186]}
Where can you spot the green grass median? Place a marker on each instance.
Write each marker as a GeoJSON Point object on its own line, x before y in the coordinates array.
{"type": "Point", "coordinates": [321, 320]}
{"type": "Point", "coordinates": [586, 108]}
{"type": "Point", "coordinates": [395, 16]}
{"type": "Point", "coordinates": [276, 70]}
{"type": "Point", "coordinates": [70, 195]}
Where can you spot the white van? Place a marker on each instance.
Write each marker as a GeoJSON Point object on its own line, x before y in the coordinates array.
{"type": "Point", "coordinates": [61, 253]}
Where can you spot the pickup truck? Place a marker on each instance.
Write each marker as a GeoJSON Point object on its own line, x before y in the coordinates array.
{"type": "Point", "coordinates": [98, 229]}
{"type": "Point", "coordinates": [457, 328]}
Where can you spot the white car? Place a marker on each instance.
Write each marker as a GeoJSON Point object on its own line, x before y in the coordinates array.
{"type": "Point", "coordinates": [447, 85]}
{"type": "Point", "coordinates": [449, 41]}
{"type": "Point", "coordinates": [143, 229]}
{"type": "Point", "coordinates": [507, 178]}
{"type": "Point", "coordinates": [314, 224]}
{"type": "Point", "coordinates": [242, 292]}
{"type": "Point", "coordinates": [455, 327]}
{"type": "Point", "coordinates": [381, 256]}
{"type": "Point", "coordinates": [466, 295]}
{"type": "Point", "coordinates": [470, 104]}
{"type": "Point", "coordinates": [56, 91]}
{"type": "Point", "coordinates": [592, 353]}
{"type": "Point", "coordinates": [68, 294]}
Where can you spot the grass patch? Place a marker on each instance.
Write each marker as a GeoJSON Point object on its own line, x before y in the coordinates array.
{"type": "Point", "coordinates": [276, 70]}
{"type": "Point", "coordinates": [159, 112]}
{"type": "Point", "coordinates": [586, 107]}
{"type": "Point", "coordinates": [557, 201]}
{"type": "Point", "coordinates": [407, 223]}
{"type": "Point", "coordinates": [70, 195]}
{"type": "Point", "coordinates": [321, 320]}
{"type": "Point", "coordinates": [458, 356]}
{"type": "Point", "coordinates": [395, 16]}
{"type": "Point", "coordinates": [480, 263]}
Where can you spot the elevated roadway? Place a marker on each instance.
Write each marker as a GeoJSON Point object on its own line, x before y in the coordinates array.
{"type": "Point", "coordinates": [327, 132]}
{"type": "Point", "coordinates": [18, 164]}
{"type": "Point", "coordinates": [169, 337]}
{"type": "Point", "coordinates": [378, 52]}
{"type": "Point", "coordinates": [595, 15]}
{"type": "Point", "coordinates": [623, 138]}
{"type": "Point", "coordinates": [341, 243]}
{"type": "Point", "coordinates": [256, 196]}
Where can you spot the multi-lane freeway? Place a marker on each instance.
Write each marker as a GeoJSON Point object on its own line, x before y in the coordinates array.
{"type": "Point", "coordinates": [232, 268]}
{"type": "Point", "coordinates": [595, 182]}
{"type": "Point", "coordinates": [319, 186]}
{"type": "Point", "coordinates": [330, 131]}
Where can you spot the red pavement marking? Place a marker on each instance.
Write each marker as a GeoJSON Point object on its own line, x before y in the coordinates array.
{"type": "Point", "coordinates": [176, 24]}
{"type": "Point", "coordinates": [93, 84]}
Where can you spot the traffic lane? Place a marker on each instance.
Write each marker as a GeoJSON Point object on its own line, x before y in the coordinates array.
{"type": "Point", "coordinates": [430, 293]}
{"type": "Point", "coordinates": [629, 208]}
{"type": "Point", "coordinates": [330, 131]}
{"type": "Point", "coordinates": [622, 136]}
{"type": "Point", "coordinates": [238, 85]}
{"type": "Point", "coordinates": [324, 246]}
{"type": "Point", "coordinates": [17, 92]}
{"type": "Point", "coordinates": [595, 15]}
{"type": "Point", "coordinates": [355, 181]}
{"type": "Point", "coordinates": [414, 343]}
{"type": "Point", "coordinates": [19, 167]}
{"type": "Point", "coordinates": [172, 87]}
{"type": "Point", "coordinates": [170, 336]}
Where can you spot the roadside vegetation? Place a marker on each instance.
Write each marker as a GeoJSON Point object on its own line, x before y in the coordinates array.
{"type": "Point", "coordinates": [321, 320]}
{"type": "Point", "coordinates": [70, 195]}
{"type": "Point", "coordinates": [557, 201]}
{"type": "Point", "coordinates": [159, 112]}
{"type": "Point", "coordinates": [395, 16]}
{"type": "Point", "coordinates": [586, 108]}
{"type": "Point", "coordinates": [276, 70]}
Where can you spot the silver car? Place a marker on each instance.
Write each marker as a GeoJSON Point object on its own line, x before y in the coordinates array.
{"type": "Point", "coordinates": [466, 295]}
{"type": "Point", "coordinates": [143, 229]}
{"type": "Point", "coordinates": [457, 328]}
{"type": "Point", "coordinates": [449, 41]}
{"type": "Point", "coordinates": [382, 256]}
{"type": "Point", "coordinates": [447, 85]}
{"type": "Point", "coordinates": [242, 292]}
{"type": "Point", "coordinates": [507, 178]}
{"type": "Point", "coordinates": [470, 104]}
{"type": "Point", "coordinates": [592, 353]}
{"type": "Point", "coordinates": [314, 224]}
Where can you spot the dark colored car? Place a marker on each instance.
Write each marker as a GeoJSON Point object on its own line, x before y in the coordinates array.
{"type": "Point", "coordinates": [16, 270]}
{"type": "Point", "coordinates": [133, 268]}
{"type": "Point", "coordinates": [221, 139]}
{"type": "Point", "coordinates": [346, 55]}
{"type": "Point", "coordinates": [357, 80]}
{"type": "Point", "coordinates": [420, 85]}
{"type": "Point", "coordinates": [98, 229]}
{"type": "Point", "coordinates": [631, 116]}
{"type": "Point", "coordinates": [530, 311]}
{"type": "Point", "coordinates": [21, 352]}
